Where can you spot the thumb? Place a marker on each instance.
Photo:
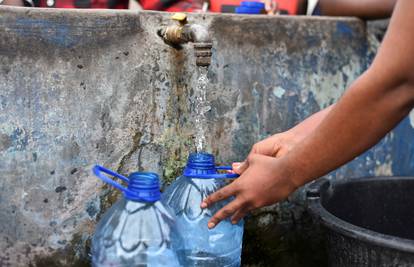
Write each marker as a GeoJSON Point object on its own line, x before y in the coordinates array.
{"type": "Point", "coordinates": [240, 167]}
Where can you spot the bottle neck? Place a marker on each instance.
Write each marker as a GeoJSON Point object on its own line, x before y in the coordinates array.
{"type": "Point", "coordinates": [200, 165]}
{"type": "Point", "coordinates": [143, 187]}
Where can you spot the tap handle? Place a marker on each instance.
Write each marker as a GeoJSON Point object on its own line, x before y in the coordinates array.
{"type": "Point", "coordinates": [180, 17]}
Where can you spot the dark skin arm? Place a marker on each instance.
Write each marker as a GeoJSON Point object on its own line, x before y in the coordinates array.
{"type": "Point", "coordinates": [369, 109]}
{"type": "Point", "coordinates": [365, 9]}
{"type": "Point", "coordinates": [279, 144]}
{"type": "Point", "coordinates": [12, 3]}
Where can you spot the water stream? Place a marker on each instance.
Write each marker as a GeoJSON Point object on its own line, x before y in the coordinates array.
{"type": "Point", "coordinates": [201, 107]}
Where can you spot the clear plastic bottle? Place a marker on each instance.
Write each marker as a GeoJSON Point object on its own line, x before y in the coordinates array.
{"type": "Point", "coordinates": [200, 246]}
{"type": "Point", "coordinates": [138, 230]}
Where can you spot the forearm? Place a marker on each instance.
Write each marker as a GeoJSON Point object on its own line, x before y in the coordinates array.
{"type": "Point", "coordinates": [13, 3]}
{"type": "Point", "coordinates": [308, 125]}
{"type": "Point", "coordinates": [356, 123]}
{"type": "Point", "coordinates": [366, 9]}
{"type": "Point", "coordinates": [373, 105]}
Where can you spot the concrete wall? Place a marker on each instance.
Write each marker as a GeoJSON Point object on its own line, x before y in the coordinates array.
{"type": "Point", "coordinates": [84, 87]}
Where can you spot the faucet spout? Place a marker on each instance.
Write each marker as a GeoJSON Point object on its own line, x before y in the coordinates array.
{"type": "Point", "coordinates": [176, 35]}
{"type": "Point", "coordinates": [197, 33]}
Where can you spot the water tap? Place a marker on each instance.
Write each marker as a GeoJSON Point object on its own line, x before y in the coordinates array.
{"type": "Point", "coordinates": [183, 32]}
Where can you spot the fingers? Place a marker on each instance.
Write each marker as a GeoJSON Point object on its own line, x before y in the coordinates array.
{"type": "Point", "coordinates": [270, 7]}
{"type": "Point", "coordinates": [276, 150]}
{"type": "Point", "coordinates": [281, 152]}
{"type": "Point", "coordinates": [224, 213]}
{"type": "Point", "coordinates": [238, 215]}
{"type": "Point", "coordinates": [236, 165]}
{"type": "Point", "coordinates": [240, 167]}
{"type": "Point", "coordinates": [264, 147]}
{"type": "Point", "coordinates": [219, 195]}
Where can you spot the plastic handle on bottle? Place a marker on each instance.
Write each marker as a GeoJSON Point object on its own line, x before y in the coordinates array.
{"type": "Point", "coordinates": [227, 175]}
{"type": "Point", "coordinates": [190, 174]}
{"type": "Point", "coordinates": [224, 168]}
{"type": "Point", "coordinates": [99, 170]}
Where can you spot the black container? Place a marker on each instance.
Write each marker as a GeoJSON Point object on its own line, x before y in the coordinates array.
{"type": "Point", "coordinates": [368, 221]}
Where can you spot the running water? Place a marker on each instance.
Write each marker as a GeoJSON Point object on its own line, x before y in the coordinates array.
{"type": "Point", "coordinates": [201, 107]}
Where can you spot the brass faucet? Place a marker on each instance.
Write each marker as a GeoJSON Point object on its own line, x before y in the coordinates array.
{"type": "Point", "coordinates": [181, 33]}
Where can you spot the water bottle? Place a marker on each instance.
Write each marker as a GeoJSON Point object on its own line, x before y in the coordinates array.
{"type": "Point", "coordinates": [138, 229]}
{"type": "Point", "coordinates": [200, 246]}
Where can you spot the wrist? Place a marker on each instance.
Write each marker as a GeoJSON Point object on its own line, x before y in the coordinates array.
{"type": "Point", "coordinates": [299, 131]}
{"type": "Point", "coordinates": [295, 171]}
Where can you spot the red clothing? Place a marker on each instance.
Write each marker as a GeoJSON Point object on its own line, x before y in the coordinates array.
{"type": "Point", "coordinates": [167, 5]}
{"type": "Point", "coordinates": [161, 5]}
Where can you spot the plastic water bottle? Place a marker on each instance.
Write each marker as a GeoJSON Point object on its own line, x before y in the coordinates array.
{"type": "Point", "coordinates": [138, 230]}
{"type": "Point", "coordinates": [201, 246]}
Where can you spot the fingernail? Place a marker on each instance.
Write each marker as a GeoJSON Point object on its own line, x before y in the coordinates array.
{"type": "Point", "coordinates": [211, 225]}
{"type": "Point", "coordinates": [236, 165]}
{"type": "Point", "coordinates": [203, 205]}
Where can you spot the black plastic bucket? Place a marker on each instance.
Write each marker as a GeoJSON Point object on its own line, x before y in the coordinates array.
{"type": "Point", "coordinates": [368, 221]}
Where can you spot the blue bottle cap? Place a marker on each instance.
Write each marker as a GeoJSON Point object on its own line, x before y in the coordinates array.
{"type": "Point", "coordinates": [248, 10]}
{"type": "Point", "coordinates": [142, 186]}
{"type": "Point", "coordinates": [202, 166]}
{"type": "Point", "coordinates": [253, 4]}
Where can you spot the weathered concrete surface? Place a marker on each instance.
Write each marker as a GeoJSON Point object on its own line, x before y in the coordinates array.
{"type": "Point", "coordinates": [85, 87]}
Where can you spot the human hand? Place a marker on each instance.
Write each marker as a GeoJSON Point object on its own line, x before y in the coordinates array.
{"type": "Point", "coordinates": [266, 181]}
{"type": "Point", "coordinates": [271, 7]}
{"type": "Point", "coordinates": [276, 146]}
{"type": "Point", "coordinates": [266, 176]}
